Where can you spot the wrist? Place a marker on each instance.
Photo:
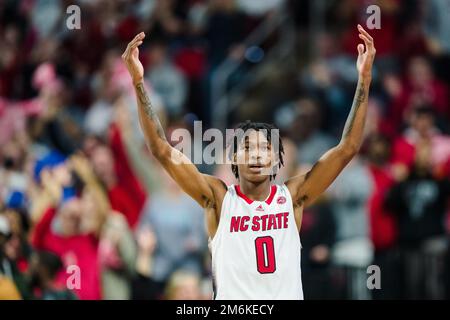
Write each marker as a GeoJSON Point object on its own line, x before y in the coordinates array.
{"type": "Point", "coordinates": [367, 78]}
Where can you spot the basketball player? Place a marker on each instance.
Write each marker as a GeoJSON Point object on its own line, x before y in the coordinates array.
{"type": "Point", "coordinates": [254, 226]}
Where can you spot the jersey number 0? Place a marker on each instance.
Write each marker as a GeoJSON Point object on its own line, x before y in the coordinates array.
{"type": "Point", "coordinates": [265, 255]}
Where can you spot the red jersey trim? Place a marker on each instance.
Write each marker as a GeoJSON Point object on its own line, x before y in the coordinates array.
{"type": "Point", "coordinates": [273, 191]}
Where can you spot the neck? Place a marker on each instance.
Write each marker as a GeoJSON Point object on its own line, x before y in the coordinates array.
{"type": "Point", "coordinates": [258, 191]}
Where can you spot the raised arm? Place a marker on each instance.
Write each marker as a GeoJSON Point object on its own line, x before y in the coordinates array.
{"type": "Point", "coordinates": [199, 186]}
{"type": "Point", "coordinates": [306, 188]}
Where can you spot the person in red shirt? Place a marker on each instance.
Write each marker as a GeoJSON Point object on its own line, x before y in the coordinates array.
{"type": "Point", "coordinates": [418, 89]}
{"type": "Point", "coordinates": [383, 225]}
{"type": "Point", "coordinates": [422, 128]}
{"type": "Point", "coordinates": [112, 166]}
{"type": "Point", "coordinates": [60, 231]}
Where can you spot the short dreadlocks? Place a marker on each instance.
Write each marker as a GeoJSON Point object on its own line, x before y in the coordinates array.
{"type": "Point", "coordinates": [241, 131]}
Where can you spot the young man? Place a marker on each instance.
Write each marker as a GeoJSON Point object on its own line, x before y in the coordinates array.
{"type": "Point", "coordinates": [254, 226]}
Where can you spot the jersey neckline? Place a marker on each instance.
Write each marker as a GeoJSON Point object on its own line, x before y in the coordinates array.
{"type": "Point", "coordinates": [273, 191]}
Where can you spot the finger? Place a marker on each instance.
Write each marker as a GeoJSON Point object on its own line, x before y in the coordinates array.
{"type": "Point", "coordinates": [364, 32]}
{"type": "Point", "coordinates": [138, 38]}
{"type": "Point", "coordinates": [366, 40]}
{"type": "Point", "coordinates": [137, 41]}
{"type": "Point", "coordinates": [135, 45]}
{"type": "Point", "coordinates": [132, 44]}
{"type": "Point", "coordinates": [360, 49]}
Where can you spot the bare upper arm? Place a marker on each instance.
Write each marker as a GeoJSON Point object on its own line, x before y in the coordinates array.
{"type": "Point", "coordinates": [206, 190]}
{"type": "Point", "coordinates": [306, 188]}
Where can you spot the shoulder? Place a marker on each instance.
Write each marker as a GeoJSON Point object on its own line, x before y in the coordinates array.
{"type": "Point", "coordinates": [294, 186]}
{"type": "Point", "coordinates": [295, 182]}
{"type": "Point", "coordinates": [216, 184]}
{"type": "Point", "coordinates": [218, 188]}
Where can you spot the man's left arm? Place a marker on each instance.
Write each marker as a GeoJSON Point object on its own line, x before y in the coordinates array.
{"type": "Point", "coordinates": [306, 188]}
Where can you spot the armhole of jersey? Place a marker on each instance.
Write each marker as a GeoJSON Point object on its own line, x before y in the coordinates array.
{"type": "Point", "coordinates": [288, 193]}
{"type": "Point", "coordinates": [219, 226]}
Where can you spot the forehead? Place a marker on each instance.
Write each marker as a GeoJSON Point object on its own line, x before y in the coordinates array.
{"type": "Point", "coordinates": [255, 136]}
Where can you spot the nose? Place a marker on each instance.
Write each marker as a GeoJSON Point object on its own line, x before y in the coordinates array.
{"type": "Point", "coordinates": [255, 156]}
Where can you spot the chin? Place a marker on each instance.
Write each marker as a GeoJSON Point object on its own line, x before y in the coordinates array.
{"type": "Point", "coordinates": [256, 178]}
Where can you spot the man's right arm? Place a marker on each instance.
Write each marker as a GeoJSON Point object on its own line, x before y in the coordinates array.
{"type": "Point", "coordinates": [199, 186]}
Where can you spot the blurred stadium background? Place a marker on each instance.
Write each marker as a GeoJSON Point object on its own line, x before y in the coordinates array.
{"type": "Point", "coordinates": [78, 187]}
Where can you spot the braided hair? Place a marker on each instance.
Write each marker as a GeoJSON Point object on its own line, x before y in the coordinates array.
{"type": "Point", "coordinates": [241, 131]}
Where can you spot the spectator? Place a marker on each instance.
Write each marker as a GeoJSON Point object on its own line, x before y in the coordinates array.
{"type": "Point", "coordinates": [183, 286]}
{"type": "Point", "coordinates": [352, 251]}
{"type": "Point", "coordinates": [17, 248]}
{"type": "Point", "coordinates": [12, 283]}
{"type": "Point", "coordinates": [383, 225]}
{"type": "Point", "coordinates": [305, 131]}
{"type": "Point", "coordinates": [226, 20]}
{"type": "Point", "coordinates": [144, 286]}
{"type": "Point", "coordinates": [112, 166]}
{"type": "Point", "coordinates": [436, 27]}
{"type": "Point", "coordinates": [318, 237]}
{"type": "Point", "coordinates": [166, 79]}
{"type": "Point", "coordinates": [100, 114]}
{"type": "Point", "coordinates": [422, 127]}
{"type": "Point", "coordinates": [54, 180]}
{"type": "Point", "coordinates": [44, 267]}
{"type": "Point", "coordinates": [419, 88]}
{"type": "Point", "coordinates": [435, 23]}
{"type": "Point", "coordinates": [60, 231]}
{"type": "Point", "coordinates": [419, 203]}
{"type": "Point", "coordinates": [179, 227]}
{"type": "Point", "coordinates": [116, 246]}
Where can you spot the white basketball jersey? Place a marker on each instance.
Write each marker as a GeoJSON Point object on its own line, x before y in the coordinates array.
{"type": "Point", "coordinates": [256, 248]}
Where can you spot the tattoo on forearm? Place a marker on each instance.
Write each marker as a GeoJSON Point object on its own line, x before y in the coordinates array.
{"type": "Point", "coordinates": [145, 104]}
{"type": "Point", "coordinates": [360, 96]}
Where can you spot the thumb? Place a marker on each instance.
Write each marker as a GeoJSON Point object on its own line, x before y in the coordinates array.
{"type": "Point", "coordinates": [360, 49]}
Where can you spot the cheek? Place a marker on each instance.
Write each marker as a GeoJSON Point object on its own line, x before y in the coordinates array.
{"type": "Point", "coordinates": [241, 169]}
{"type": "Point", "coordinates": [241, 157]}
{"type": "Point", "coordinates": [270, 158]}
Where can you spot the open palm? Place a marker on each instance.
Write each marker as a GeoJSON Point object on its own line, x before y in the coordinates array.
{"type": "Point", "coordinates": [366, 53]}
{"type": "Point", "coordinates": [131, 58]}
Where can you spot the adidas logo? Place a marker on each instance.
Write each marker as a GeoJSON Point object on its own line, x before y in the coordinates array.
{"type": "Point", "coordinates": [260, 208]}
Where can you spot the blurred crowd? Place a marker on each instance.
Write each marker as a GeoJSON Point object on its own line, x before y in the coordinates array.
{"type": "Point", "coordinates": [87, 213]}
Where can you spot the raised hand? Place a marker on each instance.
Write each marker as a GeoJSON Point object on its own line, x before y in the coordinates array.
{"type": "Point", "coordinates": [366, 53]}
{"type": "Point", "coordinates": [146, 240]}
{"type": "Point", "coordinates": [131, 59]}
